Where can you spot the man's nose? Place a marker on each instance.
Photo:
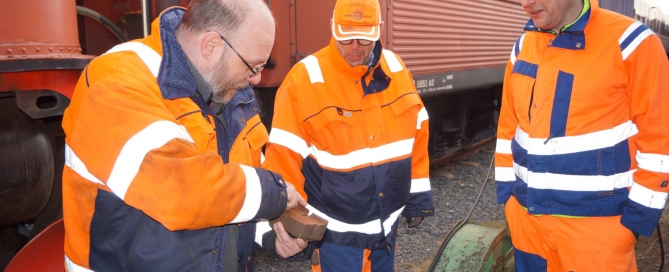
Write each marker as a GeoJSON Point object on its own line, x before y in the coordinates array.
{"type": "Point", "coordinates": [355, 45]}
{"type": "Point", "coordinates": [256, 79]}
{"type": "Point", "coordinates": [527, 3]}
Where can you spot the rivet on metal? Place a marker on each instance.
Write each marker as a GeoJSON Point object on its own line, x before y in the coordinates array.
{"type": "Point", "coordinates": [60, 48]}
{"type": "Point", "coordinates": [9, 50]}
{"type": "Point", "coordinates": [37, 49]}
{"type": "Point", "coordinates": [23, 49]}
{"type": "Point", "coordinates": [50, 48]}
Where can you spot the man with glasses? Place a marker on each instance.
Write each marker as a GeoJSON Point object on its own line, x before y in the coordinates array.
{"type": "Point", "coordinates": [164, 145]}
{"type": "Point", "coordinates": [351, 132]}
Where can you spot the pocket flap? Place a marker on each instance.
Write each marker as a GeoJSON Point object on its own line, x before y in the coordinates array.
{"type": "Point", "coordinates": [405, 102]}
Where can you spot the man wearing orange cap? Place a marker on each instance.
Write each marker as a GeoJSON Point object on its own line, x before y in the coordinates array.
{"type": "Point", "coordinates": [351, 132]}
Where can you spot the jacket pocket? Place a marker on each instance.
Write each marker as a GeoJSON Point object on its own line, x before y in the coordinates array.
{"type": "Point", "coordinates": [333, 130]}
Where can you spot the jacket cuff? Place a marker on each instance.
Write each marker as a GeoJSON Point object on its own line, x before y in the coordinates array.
{"type": "Point", "coordinates": [274, 195]}
{"type": "Point", "coordinates": [640, 219]}
{"type": "Point", "coordinates": [419, 205]}
{"type": "Point", "coordinates": [268, 240]}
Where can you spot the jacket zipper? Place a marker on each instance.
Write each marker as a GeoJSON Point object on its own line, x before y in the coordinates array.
{"type": "Point", "coordinates": [529, 109]}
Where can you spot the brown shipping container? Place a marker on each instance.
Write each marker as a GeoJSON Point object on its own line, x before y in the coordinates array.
{"type": "Point", "coordinates": [448, 45]}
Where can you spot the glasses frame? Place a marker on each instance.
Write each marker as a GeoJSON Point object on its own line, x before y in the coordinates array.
{"type": "Point", "coordinates": [347, 42]}
{"type": "Point", "coordinates": [254, 72]}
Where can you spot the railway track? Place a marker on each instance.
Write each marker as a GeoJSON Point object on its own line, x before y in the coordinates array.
{"type": "Point", "coordinates": [462, 154]}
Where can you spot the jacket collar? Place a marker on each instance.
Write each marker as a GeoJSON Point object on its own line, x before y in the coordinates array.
{"type": "Point", "coordinates": [573, 36]}
{"type": "Point", "coordinates": [174, 77]}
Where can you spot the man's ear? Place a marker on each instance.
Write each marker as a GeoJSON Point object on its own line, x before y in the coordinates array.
{"type": "Point", "coordinates": [208, 44]}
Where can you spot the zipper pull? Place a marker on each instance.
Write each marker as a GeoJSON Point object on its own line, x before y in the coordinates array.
{"type": "Point", "coordinates": [549, 138]}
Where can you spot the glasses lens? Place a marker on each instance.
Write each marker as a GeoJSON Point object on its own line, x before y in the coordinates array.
{"type": "Point", "coordinates": [364, 42]}
{"type": "Point", "coordinates": [346, 42]}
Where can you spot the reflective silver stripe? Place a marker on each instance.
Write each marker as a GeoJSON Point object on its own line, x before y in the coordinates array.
{"type": "Point", "coordinates": [74, 163]}
{"type": "Point", "coordinates": [576, 183]}
{"type": "Point", "coordinates": [579, 143]}
{"type": "Point", "coordinates": [392, 61]}
{"type": "Point", "coordinates": [653, 162]}
{"type": "Point", "coordinates": [513, 50]}
{"type": "Point", "coordinates": [422, 116]}
{"type": "Point", "coordinates": [647, 197]}
{"type": "Point", "coordinates": [504, 174]}
{"type": "Point", "coordinates": [253, 195]}
{"type": "Point", "coordinates": [262, 227]}
{"type": "Point", "coordinates": [290, 141]}
{"type": "Point", "coordinates": [363, 156]}
{"type": "Point", "coordinates": [420, 185]}
{"type": "Point", "coordinates": [72, 267]}
{"type": "Point", "coordinates": [503, 146]}
{"type": "Point", "coordinates": [135, 149]}
{"type": "Point", "coordinates": [149, 56]}
{"type": "Point", "coordinates": [371, 227]}
{"type": "Point", "coordinates": [313, 69]}
{"type": "Point", "coordinates": [635, 43]}
{"type": "Point", "coordinates": [388, 223]}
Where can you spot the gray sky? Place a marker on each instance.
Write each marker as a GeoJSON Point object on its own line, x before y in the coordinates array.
{"type": "Point", "coordinates": [662, 4]}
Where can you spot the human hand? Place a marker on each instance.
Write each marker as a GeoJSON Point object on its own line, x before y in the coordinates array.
{"type": "Point", "coordinates": [285, 244]}
{"type": "Point", "coordinates": [294, 197]}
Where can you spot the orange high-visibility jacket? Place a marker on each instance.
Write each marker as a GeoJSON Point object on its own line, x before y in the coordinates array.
{"type": "Point", "coordinates": [353, 140]}
{"type": "Point", "coordinates": [152, 172]}
{"type": "Point", "coordinates": [584, 129]}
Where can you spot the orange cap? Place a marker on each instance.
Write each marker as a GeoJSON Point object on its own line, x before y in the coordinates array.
{"type": "Point", "coordinates": [356, 19]}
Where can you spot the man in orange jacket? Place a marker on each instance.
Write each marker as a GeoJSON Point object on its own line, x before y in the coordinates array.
{"type": "Point", "coordinates": [583, 141]}
{"type": "Point", "coordinates": [164, 145]}
{"type": "Point", "coordinates": [351, 131]}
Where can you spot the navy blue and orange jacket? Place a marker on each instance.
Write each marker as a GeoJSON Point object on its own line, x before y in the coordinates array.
{"type": "Point", "coordinates": [353, 141]}
{"type": "Point", "coordinates": [583, 128]}
{"type": "Point", "coordinates": [152, 174]}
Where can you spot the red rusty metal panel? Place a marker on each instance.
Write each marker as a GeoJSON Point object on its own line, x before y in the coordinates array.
{"type": "Point", "coordinates": [43, 253]}
{"type": "Point", "coordinates": [44, 29]}
{"type": "Point", "coordinates": [451, 35]}
{"type": "Point", "coordinates": [96, 39]}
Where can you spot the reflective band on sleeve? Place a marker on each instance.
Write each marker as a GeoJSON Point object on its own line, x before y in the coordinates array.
{"type": "Point", "coordinates": [393, 62]}
{"type": "Point", "coordinates": [313, 69]}
{"type": "Point", "coordinates": [290, 141]}
{"type": "Point", "coordinates": [133, 152]}
{"type": "Point", "coordinates": [516, 49]}
{"type": "Point", "coordinates": [632, 38]}
{"type": "Point", "coordinates": [253, 195]}
{"type": "Point", "coordinates": [653, 162]}
{"type": "Point", "coordinates": [647, 197]}
{"type": "Point", "coordinates": [420, 185]}
{"type": "Point", "coordinates": [422, 116]}
{"type": "Point", "coordinates": [504, 174]}
{"type": "Point", "coordinates": [74, 163]}
{"type": "Point", "coordinates": [149, 56]}
{"type": "Point", "coordinates": [503, 146]}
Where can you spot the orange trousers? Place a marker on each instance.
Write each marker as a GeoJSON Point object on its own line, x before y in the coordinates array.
{"type": "Point", "coordinates": [551, 243]}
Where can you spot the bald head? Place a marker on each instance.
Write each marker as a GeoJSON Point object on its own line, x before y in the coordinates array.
{"type": "Point", "coordinates": [223, 16]}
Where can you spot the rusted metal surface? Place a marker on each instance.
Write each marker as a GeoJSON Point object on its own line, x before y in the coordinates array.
{"type": "Point", "coordinates": [35, 29]}
{"type": "Point", "coordinates": [44, 253]}
{"type": "Point", "coordinates": [62, 81]}
{"type": "Point", "coordinates": [437, 36]}
{"type": "Point", "coordinates": [26, 164]}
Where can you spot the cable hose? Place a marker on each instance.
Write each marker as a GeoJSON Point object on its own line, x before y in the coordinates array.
{"type": "Point", "coordinates": [659, 235]}
{"type": "Point", "coordinates": [104, 21]}
{"type": "Point", "coordinates": [462, 222]}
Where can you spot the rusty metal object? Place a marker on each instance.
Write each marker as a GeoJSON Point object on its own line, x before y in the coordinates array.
{"type": "Point", "coordinates": [44, 253]}
{"type": "Point", "coordinates": [26, 164]}
{"type": "Point", "coordinates": [35, 29]}
{"type": "Point", "coordinates": [41, 103]}
{"type": "Point", "coordinates": [300, 224]}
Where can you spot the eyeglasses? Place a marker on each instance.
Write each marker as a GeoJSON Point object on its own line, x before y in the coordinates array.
{"type": "Point", "coordinates": [360, 42]}
{"type": "Point", "coordinates": [254, 72]}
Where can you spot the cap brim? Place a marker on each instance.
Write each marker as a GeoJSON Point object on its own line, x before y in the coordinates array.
{"type": "Point", "coordinates": [370, 33]}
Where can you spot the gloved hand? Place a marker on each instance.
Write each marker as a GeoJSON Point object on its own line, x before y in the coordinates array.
{"type": "Point", "coordinates": [413, 221]}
